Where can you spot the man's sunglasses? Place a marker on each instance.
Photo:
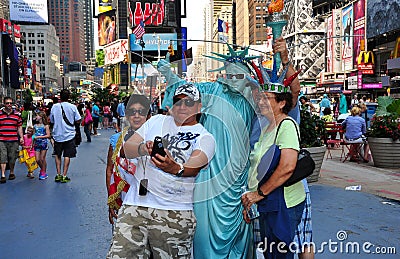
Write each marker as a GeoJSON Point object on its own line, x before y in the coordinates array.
{"type": "Point", "coordinates": [132, 112]}
{"type": "Point", "coordinates": [179, 102]}
{"type": "Point", "coordinates": [8, 103]}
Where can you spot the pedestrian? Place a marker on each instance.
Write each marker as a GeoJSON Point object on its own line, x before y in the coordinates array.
{"type": "Point", "coordinates": [325, 103]}
{"type": "Point", "coordinates": [354, 102]}
{"type": "Point", "coordinates": [107, 115]}
{"type": "Point", "coordinates": [157, 212]}
{"type": "Point", "coordinates": [280, 208]}
{"type": "Point", "coordinates": [10, 137]}
{"type": "Point", "coordinates": [118, 167]}
{"type": "Point", "coordinates": [96, 118]}
{"type": "Point", "coordinates": [30, 151]}
{"type": "Point", "coordinates": [121, 115]}
{"type": "Point", "coordinates": [87, 122]}
{"type": "Point", "coordinates": [64, 115]}
{"type": "Point", "coordinates": [42, 134]}
{"type": "Point", "coordinates": [306, 105]}
{"type": "Point", "coordinates": [26, 116]}
{"type": "Point", "coordinates": [343, 104]}
{"type": "Point", "coordinates": [115, 117]}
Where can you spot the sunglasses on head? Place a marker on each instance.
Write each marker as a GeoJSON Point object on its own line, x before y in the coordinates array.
{"type": "Point", "coordinates": [132, 112]}
{"type": "Point", "coordinates": [179, 102]}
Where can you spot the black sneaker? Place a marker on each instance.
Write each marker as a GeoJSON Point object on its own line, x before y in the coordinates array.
{"type": "Point", "coordinates": [3, 179]}
{"type": "Point", "coordinates": [65, 179]}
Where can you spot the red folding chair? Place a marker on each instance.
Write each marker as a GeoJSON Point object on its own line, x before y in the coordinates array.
{"type": "Point", "coordinates": [334, 139]}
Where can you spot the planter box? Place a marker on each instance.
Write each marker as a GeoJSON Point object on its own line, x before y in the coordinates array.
{"type": "Point", "coordinates": [385, 152]}
{"type": "Point", "coordinates": [317, 154]}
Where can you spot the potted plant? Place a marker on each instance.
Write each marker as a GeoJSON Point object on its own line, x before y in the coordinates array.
{"type": "Point", "coordinates": [312, 132]}
{"type": "Point", "coordinates": [384, 134]}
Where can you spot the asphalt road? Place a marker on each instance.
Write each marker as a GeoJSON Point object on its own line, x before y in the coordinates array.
{"type": "Point", "coordinates": [44, 219]}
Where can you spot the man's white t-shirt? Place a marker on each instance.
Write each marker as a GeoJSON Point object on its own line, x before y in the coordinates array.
{"type": "Point", "coordinates": [167, 191]}
{"type": "Point", "coordinates": [61, 131]}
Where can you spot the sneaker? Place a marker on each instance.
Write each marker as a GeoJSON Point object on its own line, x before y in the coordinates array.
{"type": "Point", "coordinates": [3, 179]}
{"type": "Point", "coordinates": [58, 178]}
{"type": "Point", "coordinates": [65, 179]}
{"type": "Point", "coordinates": [43, 176]}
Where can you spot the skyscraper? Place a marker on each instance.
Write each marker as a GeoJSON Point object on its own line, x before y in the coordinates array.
{"type": "Point", "coordinates": [89, 30]}
{"type": "Point", "coordinates": [68, 18]}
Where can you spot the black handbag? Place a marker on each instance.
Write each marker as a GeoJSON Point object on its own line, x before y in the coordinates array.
{"type": "Point", "coordinates": [78, 136]}
{"type": "Point", "coordinates": [305, 164]}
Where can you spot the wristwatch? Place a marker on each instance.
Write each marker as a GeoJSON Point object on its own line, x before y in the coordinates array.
{"type": "Point", "coordinates": [261, 193]}
{"type": "Point", "coordinates": [181, 170]}
{"type": "Point", "coordinates": [286, 64]}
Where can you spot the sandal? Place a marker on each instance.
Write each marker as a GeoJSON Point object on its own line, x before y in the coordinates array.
{"type": "Point", "coordinates": [11, 177]}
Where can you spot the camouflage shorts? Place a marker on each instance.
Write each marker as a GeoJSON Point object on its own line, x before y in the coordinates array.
{"type": "Point", "coordinates": [141, 231]}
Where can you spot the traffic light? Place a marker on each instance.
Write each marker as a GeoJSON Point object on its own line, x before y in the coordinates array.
{"type": "Point", "coordinates": [171, 50]}
{"type": "Point", "coordinates": [81, 82]}
{"type": "Point", "coordinates": [126, 58]}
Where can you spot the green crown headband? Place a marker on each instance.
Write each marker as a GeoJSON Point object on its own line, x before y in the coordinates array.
{"type": "Point", "coordinates": [274, 88]}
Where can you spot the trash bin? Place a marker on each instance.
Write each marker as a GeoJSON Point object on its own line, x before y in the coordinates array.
{"type": "Point", "coordinates": [371, 108]}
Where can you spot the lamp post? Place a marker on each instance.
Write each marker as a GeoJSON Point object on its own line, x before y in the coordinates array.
{"type": "Point", "coordinates": [8, 62]}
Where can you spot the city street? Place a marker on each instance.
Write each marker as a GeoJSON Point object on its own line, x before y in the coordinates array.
{"type": "Point", "coordinates": [44, 219]}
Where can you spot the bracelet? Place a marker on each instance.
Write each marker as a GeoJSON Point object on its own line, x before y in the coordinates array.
{"type": "Point", "coordinates": [286, 64]}
{"type": "Point", "coordinates": [138, 149]}
{"type": "Point", "coordinates": [181, 170]}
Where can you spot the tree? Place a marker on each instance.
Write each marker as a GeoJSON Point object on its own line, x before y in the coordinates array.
{"type": "Point", "coordinates": [27, 96]}
{"type": "Point", "coordinates": [102, 95]}
{"type": "Point", "coordinates": [100, 58]}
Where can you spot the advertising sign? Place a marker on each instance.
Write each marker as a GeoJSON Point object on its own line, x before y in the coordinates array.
{"type": "Point", "coordinates": [329, 47]}
{"type": "Point", "coordinates": [5, 26]}
{"type": "Point", "coordinates": [359, 28]}
{"type": "Point", "coordinates": [352, 83]}
{"type": "Point", "coordinates": [337, 42]}
{"type": "Point", "coordinates": [151, 41]}
{"type": "Point", "coordinates": [151, 12]}
{"type": "Point", "coordinates": [34, 11]}
{"type": "Point", "coordinates": [372, 86]}
{"type": "Point", "coordinates": [366, 62]}
{"type": "Point", "coordinates": [347, 33]}
{"type": "Point", "coordinates": [107, 28]}
{"type": "Point", "coordinates": [115, 52]}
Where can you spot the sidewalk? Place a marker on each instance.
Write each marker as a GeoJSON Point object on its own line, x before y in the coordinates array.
{"type": "Point", "coordinates": [383, 182]}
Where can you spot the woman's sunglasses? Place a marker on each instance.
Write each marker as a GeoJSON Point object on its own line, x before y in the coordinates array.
{"type": "Point", "coordinates": [179, 102]}
{"type": "Point", "coordinates": [132, 112]}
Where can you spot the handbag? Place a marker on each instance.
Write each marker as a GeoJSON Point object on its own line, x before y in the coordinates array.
{"type": "Point", "coordinates": [78, 137]}
{"type": "Point", "coordinates": [88, 117]}
{"type": "Point", "coordinates": [305, 164]}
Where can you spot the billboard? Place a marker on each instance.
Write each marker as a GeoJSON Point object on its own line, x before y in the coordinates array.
{"type": "Point", "coordinates": [34, 11]}
{"type": "Point", "coordinates": [115, 52]}
{"type": "Point", "coordinates": [101, 6]}
{"type": "Point", "coordinates": [347, 34]}
{"type": "Point", "coordinates": [152, 12]}
{"type": "Point", "coordinates": [337, 42]}
{"type": "Point", "coordinates": [151, 41]}
{"type": "Point", "coordinates": [107, 27]}
{"type": "Point", "coordinates": [359, 29]}
{"type": "Point", "coordinates": [382, 16]}
{"type": "Point", "coordinates": [329, 42]}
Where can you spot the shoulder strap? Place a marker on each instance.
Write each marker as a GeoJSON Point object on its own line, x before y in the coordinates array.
{"type": "Point", "coordinates": [279, 126]}
{"type": "Point", "coordinates": [65, 117]}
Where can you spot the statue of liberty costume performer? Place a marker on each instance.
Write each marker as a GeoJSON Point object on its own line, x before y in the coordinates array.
{"type": "Point", "coordinates": [227, 114]}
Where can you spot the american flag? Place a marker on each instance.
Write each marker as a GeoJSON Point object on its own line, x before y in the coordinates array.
{"type": "Point", "coordinates": [139, 30]}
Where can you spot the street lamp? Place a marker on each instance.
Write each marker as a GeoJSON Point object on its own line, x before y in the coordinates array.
{"type": "Point", "coordinates": [8, 62]}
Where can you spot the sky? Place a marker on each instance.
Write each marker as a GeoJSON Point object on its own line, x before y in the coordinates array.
{"type": "Point", "coordinates": [194, 21]}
